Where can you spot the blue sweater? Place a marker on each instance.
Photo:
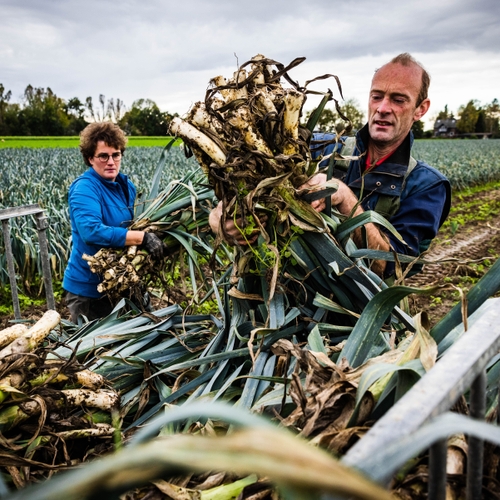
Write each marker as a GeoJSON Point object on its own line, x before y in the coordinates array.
{"type": "Point", "coordinates": [100, 211]}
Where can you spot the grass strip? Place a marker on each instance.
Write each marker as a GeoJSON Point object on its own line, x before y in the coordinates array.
{"type": "Point", "coordinates": [73, 141]}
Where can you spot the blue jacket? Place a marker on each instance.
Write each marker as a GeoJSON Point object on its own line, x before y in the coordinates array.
{"type": "Point", "coordinates": [100, 211]}
{"type": "Point", "coordinates": [424, 195]}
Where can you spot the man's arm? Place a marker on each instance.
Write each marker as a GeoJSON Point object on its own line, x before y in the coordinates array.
{"type": "Point", "coordinates": [232, 232]}
{"type": "Point", "coordinates": [344, 200]}
{"type": "Point", "coordinates": [346, 203]}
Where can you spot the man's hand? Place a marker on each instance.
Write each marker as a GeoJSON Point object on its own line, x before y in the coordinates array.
{"type": "Point", "coordinates": [233, 228]}
{"type": "Point", "coordinates": [154, 246]}
{"type": "Point", "coordinates": [347, 204]}
{"type": "Point", "coordinates": [344, 199]}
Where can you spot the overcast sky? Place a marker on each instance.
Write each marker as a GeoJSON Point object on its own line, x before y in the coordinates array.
{"type": "Point", "coordinates": [168, 51]}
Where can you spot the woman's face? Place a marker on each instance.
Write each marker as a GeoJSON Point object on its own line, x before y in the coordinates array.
{"type": "Point", "coordinates": [107, 168]}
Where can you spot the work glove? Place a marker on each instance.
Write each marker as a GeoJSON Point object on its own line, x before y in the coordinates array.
{"type": "Point", "coordinates": [154, 246]}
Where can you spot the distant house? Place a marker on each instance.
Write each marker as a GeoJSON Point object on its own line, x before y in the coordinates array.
{"type": "Point", "coordinates": [445, 128]}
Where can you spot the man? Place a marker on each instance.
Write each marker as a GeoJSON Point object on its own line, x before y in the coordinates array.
{"type": "Point", "coordinates": [412, 195]}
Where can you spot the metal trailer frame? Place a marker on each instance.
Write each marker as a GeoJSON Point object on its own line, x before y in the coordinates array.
{"type": "Point", "coordinates": [41, 225]}
{"type": "Point", "coordinates": [462, 367]}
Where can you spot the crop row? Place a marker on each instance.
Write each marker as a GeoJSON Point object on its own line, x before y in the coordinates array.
{"type": "Point", "coordinates": [43, 176]}
{"type": "Point", "coordinates": [466, 163]}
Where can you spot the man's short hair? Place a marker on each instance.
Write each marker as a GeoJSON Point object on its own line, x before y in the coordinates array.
{"type": "Point", "coordinates": [108, 132]}
{"type": "Point", "coordinates": [406, 59]}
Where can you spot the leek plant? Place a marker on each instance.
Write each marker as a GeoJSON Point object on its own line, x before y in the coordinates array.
{"type": "Point", "coordinates": [299, 471]}
{"type": "Point", "coordinates": [50, 409]}
{"type": "Point", "coordinates": [305, 332]}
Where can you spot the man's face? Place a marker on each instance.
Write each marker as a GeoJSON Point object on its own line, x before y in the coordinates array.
{"type": "Point", "coordinates": [392, 105]}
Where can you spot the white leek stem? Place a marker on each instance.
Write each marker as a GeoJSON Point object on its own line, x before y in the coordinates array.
{"type": "Point", "coordinates": [199, 117]}
{"type": "Point", "coordinates": [293, 101]}
{"type": "Point", "coordinates": [12, 333]}
{"type": "Point", "coordinates": [33, 336]}
{"type": "Point", "coordinates": [241, 119]}
{"type": "Point", "coordinates": [189, 133]}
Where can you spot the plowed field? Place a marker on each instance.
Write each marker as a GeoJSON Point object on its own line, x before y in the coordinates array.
{"type": "Point", "coordinates": [469, 250]}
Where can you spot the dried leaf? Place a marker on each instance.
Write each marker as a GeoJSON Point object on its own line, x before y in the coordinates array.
{"type": "Point", "coordinates": [428, 346]}
{"type": "Point", "coordinates": [237, 294]}
{"type": "Point", "coordinates": [177, 492]}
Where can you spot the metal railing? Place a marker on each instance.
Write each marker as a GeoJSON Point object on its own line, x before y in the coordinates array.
{"type": "Point", "coordinates": [462, 367]}
{"type": "Point", "coordinates": [41, 225]}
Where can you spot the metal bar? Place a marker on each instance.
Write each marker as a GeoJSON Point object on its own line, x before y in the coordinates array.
{"type": "Point", "coordinates": [439, 389]}
{"type": "Point", "coordinates": [42, 225]}
{"type": "Point", "coordinates": [498, 403]}
{"type": "Point", "coordinates": [9, 213]}
{"type": "Point", "coordinates": [475, 457]}
{"type": "Point", "coordinates": [11, 269]}
{"type": "Point", "coordinates": [437, 470]}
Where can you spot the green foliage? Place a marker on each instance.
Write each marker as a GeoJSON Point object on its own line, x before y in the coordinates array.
{"type": "Point", "coordinates": [39, 142]}
{"type": "Point", "coordinates": [466, 208]}
{"type": "Point", "coordinates": [6, 307]}
{"type": "Point", "coordinates": [445, 114]}
{"type": "Point", "coordinates": [46, 177]}
{"type": "Point", "coordinates": [492, 117]}
{"type": "Point", "coordinates": [73, 141]}
{"type": "Point", "coordinates": [477, 118]}
{"type": "Point", "coordinates": [43, 113]}
{"type": "Point", "coordinates": [4, 106]}
{"type": "Point", "coordinates": [145, 118]}
{"type": "Point", "coordinates": [469, 115]}
{"type": "Point", "coordinates": [418, 129]}
{"type": "Point", "coordinates": [330, 120]}
{"type": "Point", "coordinates": [47, 174]}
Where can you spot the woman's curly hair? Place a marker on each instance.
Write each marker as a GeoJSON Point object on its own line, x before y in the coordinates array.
{"type": "Point", "coordinates": [108, 132]}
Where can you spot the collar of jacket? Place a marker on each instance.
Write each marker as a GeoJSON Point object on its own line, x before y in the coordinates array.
{"type": "Point", "coordinates": [120, 184]}
{"type": "Point", "coordinates": [402, 153]}
{"type": "Point", "coordinates": [386, 178]}
{"type": "Point", "coordinates": [121, 179]}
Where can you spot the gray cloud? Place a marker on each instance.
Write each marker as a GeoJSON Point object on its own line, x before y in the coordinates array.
{"type": "Point", "coordinates": [168, 50]}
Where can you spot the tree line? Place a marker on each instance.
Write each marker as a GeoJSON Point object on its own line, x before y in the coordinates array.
{"type": "Point", "coordinates": [42, 113]}
{"type": "Point", "coordinates": [475, 118]}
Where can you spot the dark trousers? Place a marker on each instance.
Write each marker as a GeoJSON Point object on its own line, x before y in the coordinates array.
{"type": "Point", "coordinates": [86, 306]}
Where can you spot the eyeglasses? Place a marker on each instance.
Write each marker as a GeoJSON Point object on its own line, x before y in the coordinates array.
{"type": "Point", "coordinates": [104, 157]}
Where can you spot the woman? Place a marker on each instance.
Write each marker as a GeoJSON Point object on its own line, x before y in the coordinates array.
{"type": "Point", "coordinates": [101, 206]}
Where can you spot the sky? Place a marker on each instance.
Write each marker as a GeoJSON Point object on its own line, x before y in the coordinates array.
{"type": "Point", "coordinates": [168, 51]}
